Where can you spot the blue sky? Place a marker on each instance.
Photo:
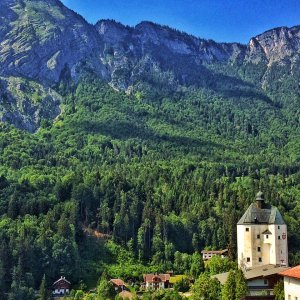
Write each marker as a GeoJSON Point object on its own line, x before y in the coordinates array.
{"type": "Point", "coordinates": [221, 20]}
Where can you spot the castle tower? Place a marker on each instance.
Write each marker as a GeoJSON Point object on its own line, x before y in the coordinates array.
{"type": "Point", "coordinates": [261, 236]}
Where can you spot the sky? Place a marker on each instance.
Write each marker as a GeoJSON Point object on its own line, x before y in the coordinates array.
{"type": "Point", "coordinates": [220, 20]}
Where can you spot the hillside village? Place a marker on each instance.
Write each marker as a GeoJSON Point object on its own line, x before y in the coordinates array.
{"type": "Point", "coordinates": [262, 247]}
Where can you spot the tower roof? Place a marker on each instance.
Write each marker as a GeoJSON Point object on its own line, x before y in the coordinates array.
{"type": "Point", "coordinates": [265, 214]}
{"type": "Point", "coordinates": [260, 196]}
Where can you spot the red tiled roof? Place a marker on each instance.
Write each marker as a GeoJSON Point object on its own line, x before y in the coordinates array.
{"type": "Point", "coordinates": [156, 277]}
{"type": "Point", "coordinates": [118, 282]}
{"type": "Point", "coordinates": [293, 272]}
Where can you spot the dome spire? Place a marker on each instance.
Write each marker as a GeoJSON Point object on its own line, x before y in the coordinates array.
{"type": "Point", "coordinates": [260, 200]}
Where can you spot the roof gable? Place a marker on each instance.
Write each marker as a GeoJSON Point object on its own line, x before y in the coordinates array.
{"type": "Point", "coordinates": [293, 272]}
{"type": "Point", "coordinates": [156, 277]}
{"type": "Point", "coordinates": [118, 282]}
{"type": "Point", "coordinates": [63, 280]}
{"type": "Point", "coordinates": [265, 215]}
{"type": "Point", "coordinates": [214, 251]}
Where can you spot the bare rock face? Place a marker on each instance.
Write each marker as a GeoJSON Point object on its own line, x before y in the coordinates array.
{"type": "Point", "coordinates": [132, 53]}
{"type": "Point", "coordinates": [39, 38]}
{"type": "Point", "coordinates": [279, 50]}
{"type": "Point", "coordinates": [43, 41]}
{"type": "Point", "coordinates": [281, 43]}
{"type": "Point", "coordinates": [275, 45]}
{"type": "Point", "coordinates": [25, 103]}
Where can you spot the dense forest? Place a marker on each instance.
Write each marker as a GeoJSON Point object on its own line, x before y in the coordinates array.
{"type": "Point", "coordinates": [162, 173]}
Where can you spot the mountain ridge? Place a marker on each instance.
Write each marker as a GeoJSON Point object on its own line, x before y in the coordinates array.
{"type": "Point", "coordinates": [207, 49]}
{"type": "Point", "coordinates": [46, 42]}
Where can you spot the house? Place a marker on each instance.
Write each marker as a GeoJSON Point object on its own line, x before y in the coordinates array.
{"type": "Point", "coordinates": [261, 236]}
{"type": "Point", "coordinates": [208, 254]}
{"type": "Point", "coordinates": [118, 284]}
{"type": "Point", "coordinates": [261, 279]}
{"type": "Point", "coordinates": [156, 281]}
{"type": "Point", "coordinates": [291, 283]}
{"type": "Point", "coordinates": [61, 287]}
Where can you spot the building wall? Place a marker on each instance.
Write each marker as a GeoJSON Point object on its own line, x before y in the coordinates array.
{"type": "Point", "coordinates": [280, 244]}
{"type": "Point", "coordinates": [151, 286]}
{"type": "Point", "coordinates": [291, 288]}
{"type": "Point", "coordinates": [60, 292]}
{"type": "Point", "coordinates": [248, 244]}
{"type": "Point", "coordinates": [272, 250]}
{"type": "Point", "coordinates": [207, 256]}
{"type": "Point", "coordinates": [260, 282]}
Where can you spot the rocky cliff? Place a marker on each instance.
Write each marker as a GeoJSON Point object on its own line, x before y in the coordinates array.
{"type": "Point", "coordinates": [39, 38]}
{"type": "Point", "coordinates": [44, 41]}
{"type": "Point", "coordinates": [25, 103]}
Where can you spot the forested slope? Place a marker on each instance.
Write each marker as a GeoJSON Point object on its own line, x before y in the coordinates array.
{"type": "Point", "coordinates": [159, 174]}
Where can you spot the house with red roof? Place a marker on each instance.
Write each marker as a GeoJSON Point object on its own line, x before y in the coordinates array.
{"type": "Point", "coordinates": [291, 283]}
{"type": "Point", "coordinates": [156, 281]}
{"type": "Point", "coordinates": [118, 284]}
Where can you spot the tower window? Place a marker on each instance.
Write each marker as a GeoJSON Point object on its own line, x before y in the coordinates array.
{"type": "Point", "coordinates": [258, 236]}
{"type": "Point", "coordinates": [279, 237]}
{"type": "Point", "coordinates": [248, 259]}
{"type": "Point", "coordinates": [267, 236]}
{"type": "Point", "coordinates": [258, 249]}
{"type": "Point", "coordinates": [247, 229]}
{"type": "Point", "coordinates": [278, 227]}
{"type": "Point", "coordinates": [259, 259]}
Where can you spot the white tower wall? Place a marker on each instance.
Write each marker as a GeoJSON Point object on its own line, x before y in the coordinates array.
{"type": "Point", "coordinates": [256, 248]}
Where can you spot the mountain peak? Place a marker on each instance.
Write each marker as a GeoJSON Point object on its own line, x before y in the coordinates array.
{"type": "Point", "coordinates": [44, 39]}
{"type": "Point", "coordinates": [277, 43]}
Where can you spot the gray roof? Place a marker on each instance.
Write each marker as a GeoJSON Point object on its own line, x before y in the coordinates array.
{"type": "Point", "coordinates": [266, 215]}
{"type": "Point", "coordinates": [256, 272]}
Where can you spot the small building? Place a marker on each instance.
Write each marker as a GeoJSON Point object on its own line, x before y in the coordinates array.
{"type": "Point", "coordinates": [119, 285]}
{"type": "Point", "coordinates": [61, 287]}
{"type": "Point", "coordinates": [156, 281]}
{"type": "Point", "coordinates": [260, 279]}
{"type": "Point", "coordinates": [291, 283]}
{"type": "Point", "coordinates": [208, 254]}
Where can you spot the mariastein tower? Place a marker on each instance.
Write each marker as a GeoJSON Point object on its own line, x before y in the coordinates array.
{"type": "Point", "coordinates": [261, 236]}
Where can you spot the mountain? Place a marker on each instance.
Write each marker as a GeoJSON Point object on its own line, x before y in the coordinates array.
{"type": "Point", "coordinates": [40, 38]}
{"type": "Point", "coordinates": [275, 45]}
{"type": "Point", "coordinates": [44, 41]}
{"type": "Point", "coordinates": [26, 103]}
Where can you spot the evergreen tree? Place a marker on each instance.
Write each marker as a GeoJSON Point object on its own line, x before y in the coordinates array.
{"type": "Point", "coordinates": [105, 290]}
{"type": "Point", "coordinates": [229, 288]}
{"type": "Point", "coordinates": [206, 288]}
{"type": "Point", "coordinates": [279, 290]}
{"type": "Point", "coordinates": [197, 266]}
{"type": "Point", "coordinates": [43, 289]}
{"type": "Point", "coordinates": [241, 285]}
